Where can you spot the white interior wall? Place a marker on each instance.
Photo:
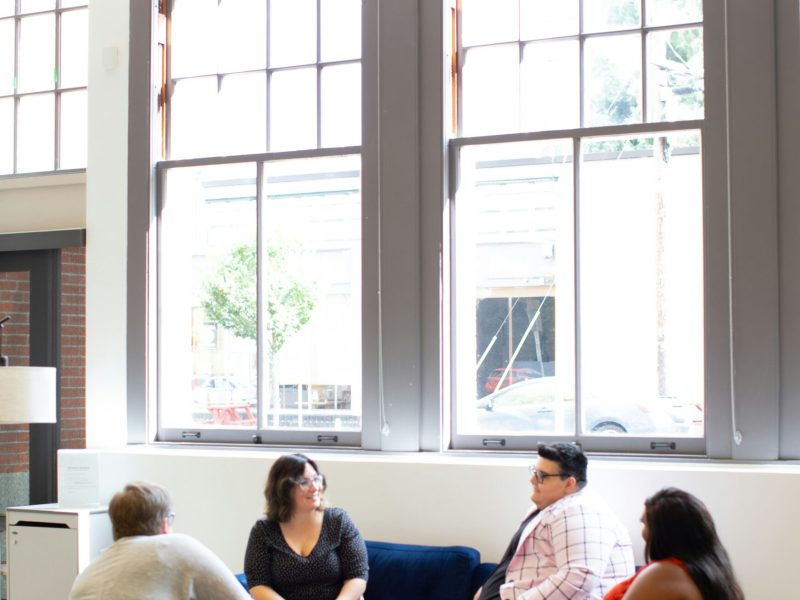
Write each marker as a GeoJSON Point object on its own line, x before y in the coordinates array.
{"type": "Point", "coordinates": [106, 224]}
{"type": "Point", "coordinates": [460, 500]}
{"type": "Point", "coordinates": [43, 203]}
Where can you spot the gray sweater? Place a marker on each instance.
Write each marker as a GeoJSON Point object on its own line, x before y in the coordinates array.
{"type": "Point", "coordinates": [171, 566]}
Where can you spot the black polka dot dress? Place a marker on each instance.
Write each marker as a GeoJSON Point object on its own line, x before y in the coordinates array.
{"type": "Point", "coordinates": [340, 554]}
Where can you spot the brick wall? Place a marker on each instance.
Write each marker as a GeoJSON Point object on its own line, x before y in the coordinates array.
{"type": "Point", "coordinates": [14, 300]}
{"type": "Point", "coordinates": [73, 348]}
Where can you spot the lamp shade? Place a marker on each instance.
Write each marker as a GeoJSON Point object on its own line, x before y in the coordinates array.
{"type": "Point", "coordinates": [27, 395]}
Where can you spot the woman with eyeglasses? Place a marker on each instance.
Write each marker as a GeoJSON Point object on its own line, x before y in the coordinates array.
{"type": "Point", "coordinates": [303, 550]}
{"type": "Point", "coordinates": [686, 560]}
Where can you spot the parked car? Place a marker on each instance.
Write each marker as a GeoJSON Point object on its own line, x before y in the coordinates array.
{"type": "Point", "coordinates": [535, 401]}
{"type": "Point", "coordinates": [514, 375]}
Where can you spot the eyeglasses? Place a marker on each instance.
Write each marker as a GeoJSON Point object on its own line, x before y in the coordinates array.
{"type": "Point", "coordinates": [305, 483]}
{"type": "Point", "coordinates": [170, 519]}
{"type": "Point", "coordinates": [541, 475]}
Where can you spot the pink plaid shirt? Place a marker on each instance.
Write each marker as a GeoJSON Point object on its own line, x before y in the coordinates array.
{"type": "Point", "coordinates": [574, 548]}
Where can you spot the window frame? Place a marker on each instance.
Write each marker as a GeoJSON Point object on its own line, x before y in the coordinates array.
{"type": "Point", "coordinates": [743, 398]}
{"type": "Point", "coordinates": [404, 180]}
{"type": "Point", "coordinates": [629, 443]}
{"type": "Point", "coordinates": [242, 435]}
{"type": "Point", "coordinates": [154, 430]}
{"type": "Point", "coordinates": [269, 70]}
{"type": "Point", "coordinates": [57, 90]}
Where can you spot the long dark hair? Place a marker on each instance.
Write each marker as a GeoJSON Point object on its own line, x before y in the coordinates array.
{"type": "Point", "coordinates": [282, 480]}
{"type": "Point", "coordinates": [680, 526]}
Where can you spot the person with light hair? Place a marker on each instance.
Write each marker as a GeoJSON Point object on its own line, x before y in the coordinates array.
{"type": "Point", "coordinates": [149, 562]}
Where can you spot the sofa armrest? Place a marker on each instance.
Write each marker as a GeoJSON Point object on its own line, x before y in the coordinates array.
{"type": "Point", "coordinates": [480, 575]}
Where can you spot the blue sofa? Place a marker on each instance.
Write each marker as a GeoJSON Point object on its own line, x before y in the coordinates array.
{"type": "Point", "coordinates": [408, 571]}
{"type": "Point", "coordinates": [398, 571]}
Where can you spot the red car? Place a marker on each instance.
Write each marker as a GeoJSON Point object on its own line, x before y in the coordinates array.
{"type": "Point", "coordinates": [514, 375]}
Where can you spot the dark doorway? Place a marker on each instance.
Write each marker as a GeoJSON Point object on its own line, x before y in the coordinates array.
{"type": "Point", "coordinates": [29, 294]}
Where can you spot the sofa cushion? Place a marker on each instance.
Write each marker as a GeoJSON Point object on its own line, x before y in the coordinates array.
{"type": "Point", "coordinates": [243, 580]}
{"type": "Point", "coordinates": [420, 572]}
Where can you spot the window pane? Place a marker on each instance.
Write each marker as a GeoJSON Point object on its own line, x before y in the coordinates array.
{"type": "Point", "coordinates": [293, 109]}
{"type": "Point", "coordinates": [310, 292]}
{"type": "Point", "coordinates": [37, 53]}
{"type": "Point", "coordinates": [29, 6]}
{"type": "Point", "coordinates": [6, 136]}
{"type": "Point", "coordinates": [489, 22]}
{"type": "Point", "coordinates": [6, 56]}
{"type": "Point", "coordinates": [71, 3]}
{"type": "Point", "coordinates": [340, 30]}
{"type": "Point", "coordinates": [74, 48]}
{"type": "Point", "coordinates": [610, 15]}
{"type": "Point", "coordinates": [490, 90]}
{"type": "Point", "coordinates": [208, 371]}
{"type": "Point", "coordinates": [613, 80]}
{"type": "Point", "coordinates": [7, 9]}
{"type": "Point", "coordinates": [674, 12]}
{"type": "Point", "coordinates": [36, 133]}
{"type": "Point", "coordinates": [243, 35]}
{"type": "Point", "coordinates": [242, 118]}
{"type": "Point", "coordinates": [193, 120]}
{"type": "Point", "coordinates": [548, 18]}
{"type": "Point", "coordinates": [550, 86]}
{"type": "Point", "coordinates": [292, 32]}
{"type": "Point", "coordinates": [641, 285]}
{"type": "Point", "coordinates": [514, 339]}
{"type": "Point", "coordinates": [675, 75]}
{"type": "Point", "coordinates": [311, 285]}
{"type": "Point", "coordinates": [193, 37]}
{"type": "Point", "coordinates": [74, 130]}
{"type": "Point", "coordinates": [341, 105]}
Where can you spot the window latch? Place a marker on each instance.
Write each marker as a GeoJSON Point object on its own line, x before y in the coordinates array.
{"type": "Point", "coordinates": [494, 441]}
{"type": "Point", "coordinates": [662, 446]}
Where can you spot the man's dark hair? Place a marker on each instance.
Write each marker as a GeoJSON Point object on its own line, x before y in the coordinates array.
{"type": "Point", "coordinates": [139, 509]}
{"type": "Point", "coordinates": [680, 526]}
{"type": "Point", "coordinates": [570, 458]}
{"type": "Point", "coordinates": [282, 480]}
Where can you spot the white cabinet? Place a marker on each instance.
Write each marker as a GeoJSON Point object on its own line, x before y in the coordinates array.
{"type": "Point", "coordinates": [47, 546]}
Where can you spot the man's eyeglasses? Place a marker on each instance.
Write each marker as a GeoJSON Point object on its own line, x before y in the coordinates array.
{"type": "Point", "coordinates": [170, 519]}
{"type": "Point", "coordinates": [305, 482]}
{"type": "Point", "coordinates": [541, 475]}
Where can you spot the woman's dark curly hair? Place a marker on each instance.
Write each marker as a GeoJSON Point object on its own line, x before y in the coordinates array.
{"type": "Point", "coordinates": [680, 526]}
{"type": "Point", "coordinates": [283, 477]}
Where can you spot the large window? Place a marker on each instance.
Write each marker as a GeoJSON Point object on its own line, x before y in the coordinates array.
{"type": "Point", "coordinates": [260, 223]}
{"type": "Point", "coordinates": [577, 280]}
{"type": "Point", "coordinates": [43, 77]}
{"type": "Point", "coordinates": [584, 258]}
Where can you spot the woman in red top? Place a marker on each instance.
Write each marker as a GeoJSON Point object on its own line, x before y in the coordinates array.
{"type": "Point", "coordinates": [686, 559]}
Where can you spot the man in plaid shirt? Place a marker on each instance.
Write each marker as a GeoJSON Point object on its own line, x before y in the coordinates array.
{"type": "Point", "coordinates": [570, 544]}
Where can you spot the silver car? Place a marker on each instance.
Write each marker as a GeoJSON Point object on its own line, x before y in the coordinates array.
{"type": "Point", "coordinates": [538, 405]}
